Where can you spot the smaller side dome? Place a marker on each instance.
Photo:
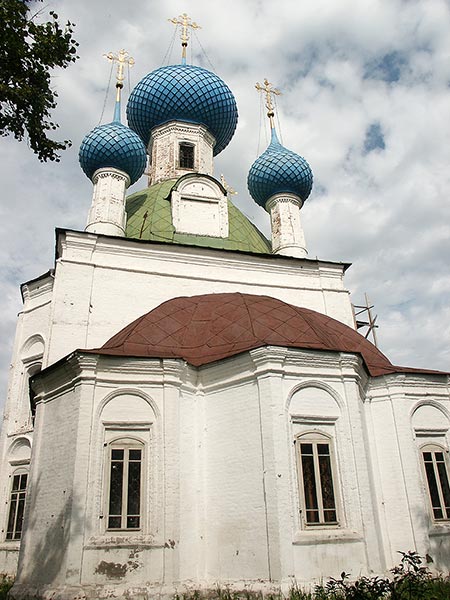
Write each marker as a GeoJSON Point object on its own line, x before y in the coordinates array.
{"type": "Point", "coordinates": [113, 146]}
{"type": "Point", "coordinates": [279, 170]}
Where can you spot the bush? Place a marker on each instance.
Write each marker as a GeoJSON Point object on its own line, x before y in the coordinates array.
{"type": "Point", "coordinates": [5, 585]}
{"type": "Point", "coordinates": [410, 580]}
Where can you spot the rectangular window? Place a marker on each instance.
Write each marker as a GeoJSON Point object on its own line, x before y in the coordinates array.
{"type": "Point", "coordinates": [436, 472]}
{"type": "Point", "coordinates": [186, 153]}
{"type": "Point", "coordinates": [124, 502]}
{"type": "Point", "coordinates": [16, 506]}
{"type": "Point", "coordinates": [316, 479]}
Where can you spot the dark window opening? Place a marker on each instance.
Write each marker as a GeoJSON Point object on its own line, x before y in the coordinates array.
{"type": "Point", "coordinates": [16, 507]}
{"type": "Point", "coordinates": [124, 505]}
{"type": "Point", "coordinates": [186, 152]}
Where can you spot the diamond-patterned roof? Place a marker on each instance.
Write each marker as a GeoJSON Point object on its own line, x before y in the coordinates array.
{"type": "Point", "coordinates": [149, 218]}
{"type": "Point", "coordinates": [279, 170]}
{"type": "Point", "coordinates": [183, 93]}
{"type": "Point", "coordinates": [203, 329]}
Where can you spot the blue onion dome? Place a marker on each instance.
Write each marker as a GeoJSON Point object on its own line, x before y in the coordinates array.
{"type": "Point", "coordinates": [183, 93]}
{"type": "Point", "coordinates": [277, 171]}
{"type": "Point", "coordinates": [113, 146]}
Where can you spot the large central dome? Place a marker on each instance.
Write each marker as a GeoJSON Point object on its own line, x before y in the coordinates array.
{"type": "Point", "coordinates": [183, 93]}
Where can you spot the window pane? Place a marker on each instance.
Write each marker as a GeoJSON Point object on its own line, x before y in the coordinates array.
{"type": "Point", "coordinates": [116, 487]}
{"type": "Point", "coordinates": [134, 488]}
{"type": "Point", "coordinates": [23, 481]}
{"type": "Point", "coordinates": [186, 156]}
{"type": "Point", "coordinates": [133, 522]}
{"type": "Point", "coordinates": [19, 518]}
{"type": "Point", "coordinates": [330, 516]}
{"type": "Point", "coordinates": [443, 476]}
{"type": "Point", "coordinates": [309, 486]}
{"type": "Point", "coordinates": [135, 454]}
{"type": "Point", "coordinates": [12, 518]}
{"type": "Point", "coordinates": [114, 522]}
{"type": "Point", "coordinates": [432, 486]}
{"type": "Point", "coordinates": [117, 454]}
{"type": "Point", "coordinates": [437, 513]}
{"type": "Point", "coordinates": [16, 484]}
{"type": "Point", "coordinates": [427, 457]}
{"type": "Point", "coordinates": [326, 481]}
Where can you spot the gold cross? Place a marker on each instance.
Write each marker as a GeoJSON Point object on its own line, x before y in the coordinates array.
{"type": "Point", "coordinates": [185, 23]}
{"type": "Point", "coordinates": [228, 188]}
{"type": "Point", "coordinates": [268, 90]}
{"type": "Point", "coordinates": [122, 58]}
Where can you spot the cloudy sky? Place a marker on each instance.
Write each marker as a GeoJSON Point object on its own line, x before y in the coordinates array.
{"type": "Point", "coordinates": [366, 100]}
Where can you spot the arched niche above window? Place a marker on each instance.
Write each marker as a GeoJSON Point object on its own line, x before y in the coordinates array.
{"type": "Point", "coordinates": [127, 407]}
{"type": "Point", "coordinates": [32, 349]}
{"type": "Point", "coordinates": [428, 416]}
{"type": "Point", "coordinates": [315, 403]}
{"type": "Point", "coordinates": [20, 451]}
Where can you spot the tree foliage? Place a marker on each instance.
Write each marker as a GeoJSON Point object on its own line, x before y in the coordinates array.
{"type": "Point", "coordinates": [30, 50]}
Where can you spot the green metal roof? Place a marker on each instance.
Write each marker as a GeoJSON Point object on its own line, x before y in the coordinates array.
{"type": "Point", "coordinates": [149, 218]}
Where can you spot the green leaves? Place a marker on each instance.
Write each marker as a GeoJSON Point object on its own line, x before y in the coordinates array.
{"type": "Point", "coordinates": [30, 50]}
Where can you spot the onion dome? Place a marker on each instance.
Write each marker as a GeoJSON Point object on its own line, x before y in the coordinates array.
{"type": "Point", "coordinates": [277, 171]}
{"type": "Point", "coordinates": [183, 93]}
{"type": "Point", "coordinates": [113, 146]}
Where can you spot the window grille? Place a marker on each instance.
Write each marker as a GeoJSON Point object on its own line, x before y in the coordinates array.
{"type": "Point", "coordinates": [316, 480]}
{"type": "Point", "coordinates": [436, 471]}
{"type": "Point", "coordinates": [125, 487]}
{"type": "Point", "coordinates": [16, 506]}
{"type": "Point", "coordinates": [186, 155]}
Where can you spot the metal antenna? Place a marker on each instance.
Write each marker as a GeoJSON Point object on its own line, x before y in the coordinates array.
{"type": "Point", "coordinates": [370, 322]}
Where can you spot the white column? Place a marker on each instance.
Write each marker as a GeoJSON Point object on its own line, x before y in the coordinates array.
{"type": "Point", "coordinates": [288, 238]}
{"type": "Point", "coordinates": [107, 214]}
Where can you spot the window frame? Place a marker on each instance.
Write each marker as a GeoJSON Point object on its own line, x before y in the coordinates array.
{"type": "Point", "coordinates": [315, 438]}
{"type": "Point", "coordinates": [125, 443]}
{"type": "Point", "coordinates": [434, 448]}
{"type": "Point", "coordinates": [191, 146]}
{"type": "Point", "coordinates": [14, 496]}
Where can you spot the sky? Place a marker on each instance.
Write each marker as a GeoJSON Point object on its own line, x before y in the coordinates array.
{"type": "Point", "coordinates": [365, 99]}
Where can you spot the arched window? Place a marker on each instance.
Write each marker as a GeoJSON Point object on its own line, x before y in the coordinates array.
{"type": "Point", "coordinates": [435, 464]}
{"type": "Point", "coordinates": [17, 498]}
{"type": "Point", "coordinates": [125, 484]}
{"type": "Point", "coordinates": [186, 155]}
{"type": "Point", "coordinates": [315, 465]}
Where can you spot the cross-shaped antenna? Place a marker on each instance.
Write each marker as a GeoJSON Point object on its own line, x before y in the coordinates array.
{"type": "Point", "coordinates": [185, 23]}
{"type": "Point", "coordinates": [269, 91]}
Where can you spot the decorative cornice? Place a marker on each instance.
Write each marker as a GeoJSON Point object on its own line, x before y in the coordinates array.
{"type": "Point", "coordinates": [283, 199]}
{"type": "Point", "coordinates": [111, 172]}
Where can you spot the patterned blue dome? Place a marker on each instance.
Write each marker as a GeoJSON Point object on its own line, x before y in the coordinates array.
{"type": "Point", "coordinates": [116, 146]}
{"type": "Point", "coordinates": [183, 93]}
{"type": "Point", "coordinates": [278, 171]}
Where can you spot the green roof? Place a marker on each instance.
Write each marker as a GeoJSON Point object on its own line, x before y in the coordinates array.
{"type": "Point", "coordinates": [150, 218]}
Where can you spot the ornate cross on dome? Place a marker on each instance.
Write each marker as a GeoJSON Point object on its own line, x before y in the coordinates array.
{"type": "Point", "coordinates": [185, 23]}
{"type": "Point", "coordinates": [122, 58]}
{"type": "Point", "coordinates": [268, 90]}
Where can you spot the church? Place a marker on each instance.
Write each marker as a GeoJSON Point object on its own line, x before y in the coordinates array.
{"type": "Point", "coordinates": [190, 404]}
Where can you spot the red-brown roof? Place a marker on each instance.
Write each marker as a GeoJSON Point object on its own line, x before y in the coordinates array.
{"type": "Point", "coordinates": [203, 329]}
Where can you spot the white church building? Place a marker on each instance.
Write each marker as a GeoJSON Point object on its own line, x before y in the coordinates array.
{"type": "Point", "coordinates": [190, 404]}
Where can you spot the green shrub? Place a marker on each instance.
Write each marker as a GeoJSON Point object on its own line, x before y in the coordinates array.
{"type": "Point", "coordinates": [5, 585]}
{"type": "Point", "coordinates": [410, 580]}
